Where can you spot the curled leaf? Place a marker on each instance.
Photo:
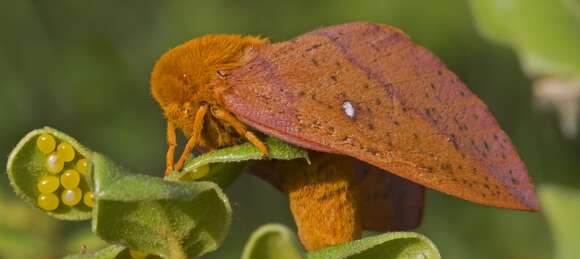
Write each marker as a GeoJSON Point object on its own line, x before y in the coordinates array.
{"type": "Point", "coordinates": [109, 252]}
{"type": "Point", "coordinates": [392, 245]}
{"type": "Point", "coordinates": [169, 219]}
{"type": "Point", "coordinates": [231, 160]}
{"type": "Point", "coordinates": [272, 241]}
{"type": "Point", "coordinates": [27, 165]}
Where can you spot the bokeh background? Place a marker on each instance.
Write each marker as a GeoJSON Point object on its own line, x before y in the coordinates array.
{"type": "Point", "coordinates": [83, 68]}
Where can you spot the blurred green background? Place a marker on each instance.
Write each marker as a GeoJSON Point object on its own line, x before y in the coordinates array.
{"type": "Point", "coordinates": [83, 67]}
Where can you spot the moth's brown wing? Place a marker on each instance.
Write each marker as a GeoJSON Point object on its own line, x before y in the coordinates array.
{"type": "Point", "coordinates": [387, 202]}
{"type": "Point", "coordinates": [366, 91]}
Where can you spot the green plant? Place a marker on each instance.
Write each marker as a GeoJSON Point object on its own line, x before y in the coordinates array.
{"type": "Point", "coordinates": [184, 215]}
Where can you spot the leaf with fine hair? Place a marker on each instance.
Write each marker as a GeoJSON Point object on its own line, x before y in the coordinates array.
{"type": "Point", "coordinates": [170, 219]}
{"type": "Point", "coordinates": [109, 252]}
{"type": "Point", "coordinates": [272, 241]}
{"type": "Point", "coordinates": [394, 245]}
{"type": "Point", "coordinates": [26, 165]}
{"type": "Point", "coordinates": [227, 163]}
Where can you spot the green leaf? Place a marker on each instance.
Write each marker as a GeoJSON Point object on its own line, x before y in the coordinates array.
{"type": "Point", "coordinates": [546, 34]}
{"type": "Point", "coordinates": [82, 238]}
{"type": "Point", "coordinates": [224, 175]}
{"type": "Point", "coordinates": [109, 252]}
{"type": "Point", "coordinates": [394, 245]}
{"type": "Point", "coordinates": [272, 241]}
{"type": "Point", "coordinates": [27, 164]}
{"type": "Point", "coordinates": [170, 219]}
{"type": "Point", "coordinates": [562, 209]}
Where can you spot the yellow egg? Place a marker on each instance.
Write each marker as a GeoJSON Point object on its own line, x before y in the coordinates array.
{"type": "Point", "coordinates": [137, 254]}
{"type": "Point", "coordinates": [54, 164]}
{"type": "Point", "coordinates": [71, 197]}
{"type": "Point", "coordinates": [70, 179]}
{"type": "Point", "coordinates": [48, 184]}
{"type": "Point", "coordinates": [82, 166]}
{"type": "Point", "coordinates": [197, 173]}
{"type": "Point", "coordinates": [89, 199]}
{"type": "Point", "coordinates": [65, 151]}
{"type": "Point", "coordinates": [48, 201]}
{"type": "Point", "coordinates": [45, 143]}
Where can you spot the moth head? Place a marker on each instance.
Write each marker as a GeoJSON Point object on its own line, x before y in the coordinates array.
{"type": "Point", "coordinates": [185, 77]}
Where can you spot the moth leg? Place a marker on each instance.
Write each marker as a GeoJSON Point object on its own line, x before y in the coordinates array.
{"type": "Point", "coordinates": [241, 129]}
{"type": "Point", "coordinates": [257, 142]}
{"type": "Point", "coordinates": [172, 144]}
{"type": "Point", "coordinates": [195, 136]}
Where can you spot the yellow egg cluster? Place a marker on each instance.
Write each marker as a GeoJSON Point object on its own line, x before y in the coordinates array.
{"type": "Point", "coordinates": [57, 158]}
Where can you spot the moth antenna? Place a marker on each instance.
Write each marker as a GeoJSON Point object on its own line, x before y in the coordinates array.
{"type": "Point", "coordinates": [241, 129]}
{"type": "Point", "coordinates": [195, 136]}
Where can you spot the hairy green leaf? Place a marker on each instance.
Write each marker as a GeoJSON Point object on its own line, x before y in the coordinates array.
{"type": "Point", "coordinates": [224, 174]}
{"type": "Point", "coordinates": [109, 252]}
{"type": "Point", "coordinates": [81, 239]}
{"type": "Point", "coordinates": [231, 160]}
{"type": "Point", "coordinates": [561, 206]}
{"type": "Point", "coordinates": [27, 164]}
{"type": "Point", "coordinates": [394, 245]}
{"type": "Point", "coordinates": [170, 219]}
{"type": "Point", "coordinates": [272, 241]}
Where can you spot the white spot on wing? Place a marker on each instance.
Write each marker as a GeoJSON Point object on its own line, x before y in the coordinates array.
{"type": "Point", "coordinates": [349, 109]}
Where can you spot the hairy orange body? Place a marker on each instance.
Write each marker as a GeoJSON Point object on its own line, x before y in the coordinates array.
{"type": "Point", "coordinates": [190, 76]}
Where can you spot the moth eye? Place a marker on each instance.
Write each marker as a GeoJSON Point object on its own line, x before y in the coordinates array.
{"type": "Point", "coordinates": [185, 78]}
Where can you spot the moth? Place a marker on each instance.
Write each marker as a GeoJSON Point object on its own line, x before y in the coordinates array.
{"type": "Point", "coordinates": [360, 92]}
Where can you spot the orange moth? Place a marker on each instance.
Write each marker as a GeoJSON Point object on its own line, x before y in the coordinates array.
{"type": "Point", "coordinates": [357, 95]}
